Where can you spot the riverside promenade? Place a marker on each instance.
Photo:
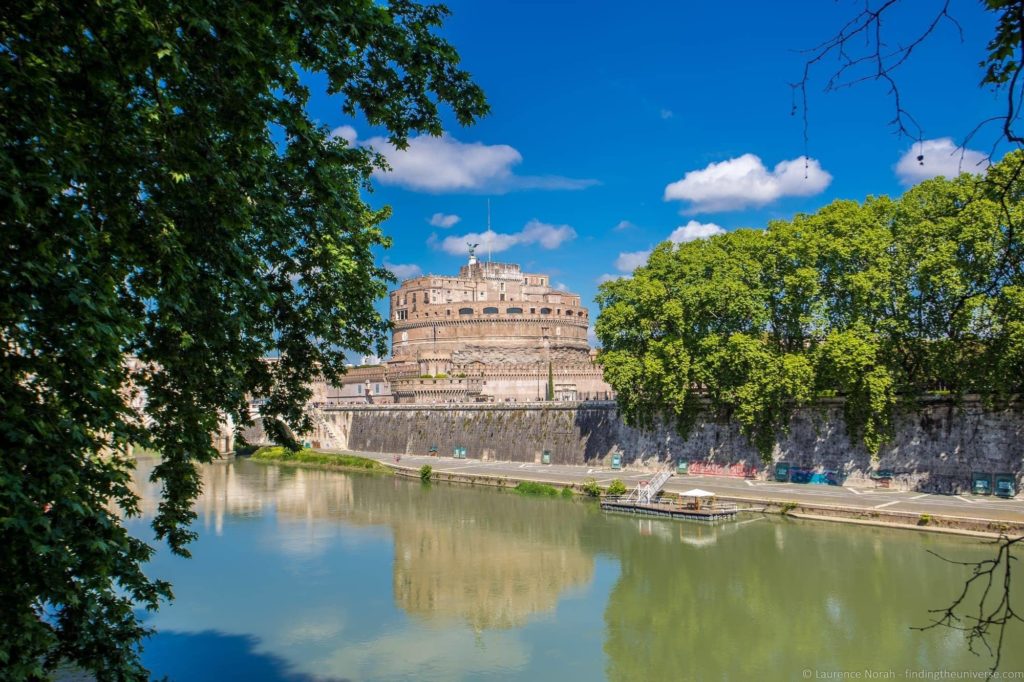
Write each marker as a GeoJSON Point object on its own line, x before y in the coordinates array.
{"type": "Point", "coordinates": [887, 507]}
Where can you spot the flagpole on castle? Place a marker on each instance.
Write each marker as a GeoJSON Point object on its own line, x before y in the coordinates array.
{"type": "Point", "coordinates": [488, 231]}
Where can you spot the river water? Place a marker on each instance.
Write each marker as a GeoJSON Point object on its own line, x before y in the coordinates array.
{"type": "Point", "coordinates": [300, 574]}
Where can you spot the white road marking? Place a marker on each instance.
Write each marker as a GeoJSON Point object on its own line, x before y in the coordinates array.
{"type": "Point", "coordinates": [854, 491]}
{"type": "Point", "coordinates": [750, 483]}
{"type": "Point", "coordinates": [965, 499]}
{"type": "Point", "coordinates": [887, 504]}
{"type": "Point", "coordinates": [919, 496]}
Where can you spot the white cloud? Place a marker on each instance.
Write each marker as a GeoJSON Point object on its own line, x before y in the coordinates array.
{"type": "Point", "coordinates": [693, 231]}
{"type": "Point", "coordinates": [623, 225]}
{"type": "Point", "coordinates": [628, 261]}
{"type": "Point", "coordinates": [347, 133]}
{"type": "Point", "coordinates": [665, 114]}
{"type": "Point", "coordinates": [606, 278]}
{"type": "Point", "coordinates": [444, 220]}
{"type": "Point", "coordinates": [534, 232]}
{"type": "Point", "coordinates": [592, 338]}
{"type": "Point", "coordinates": [443, 164]}
{"type": "Point", "coordinates": [744, 182]}
{"type": "Point", "coordinates": [561, 286]}
{"type": "Point", "coordinates": [940, 157]}
{"type": "Point", "coordinates": [406, 271]}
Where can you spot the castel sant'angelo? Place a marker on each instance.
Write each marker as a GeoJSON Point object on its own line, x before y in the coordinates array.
{"type": "Point", "coordinates": [492, 333]}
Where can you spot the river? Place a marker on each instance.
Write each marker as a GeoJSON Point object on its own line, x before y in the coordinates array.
{"type": "Point", "coordinates": [302, 574]}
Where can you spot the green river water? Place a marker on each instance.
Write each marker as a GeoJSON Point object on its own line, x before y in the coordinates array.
{"type": "Point", "coordinates": [301, 574]}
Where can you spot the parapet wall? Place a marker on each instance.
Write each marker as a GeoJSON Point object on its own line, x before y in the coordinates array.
{"type": "Point", "coordinates": [936, 447]}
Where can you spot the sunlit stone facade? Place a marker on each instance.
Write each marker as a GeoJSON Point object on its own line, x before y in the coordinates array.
{"type": "Point", "coordinates": [492, 333]}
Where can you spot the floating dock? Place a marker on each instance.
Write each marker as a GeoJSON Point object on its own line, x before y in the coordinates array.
{"type": "Point", "coordinates": [671, 509]}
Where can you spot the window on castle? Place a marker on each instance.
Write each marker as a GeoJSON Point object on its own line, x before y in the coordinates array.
{"type": "Point", "coordinates": [514, 311]}
{"type": "Point", "coordinates": [465, 311]}
{"type": "Point", "coordinates": [403, 314]}
{"type": "Point", "coordinates": [545, 311]}
{"type": "Point", "coordinates": [568, 313]}
{"type": "Point", "coordinates": [490, 310]}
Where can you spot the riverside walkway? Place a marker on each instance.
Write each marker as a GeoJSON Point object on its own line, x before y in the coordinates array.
{"type": "Point", "coordinates": [743, 490]}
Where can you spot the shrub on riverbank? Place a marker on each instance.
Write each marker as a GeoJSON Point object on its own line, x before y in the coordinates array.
{"type": "Point", "coordinates": [531, 488]}
{"type": "Point", "coordinates": [282, 455]}
{"type": "Point", "coordinates": [616, 487]}
{"type": "Point", "coordinates": [591, 488]}
{"type": "Point", "coordinates": [426, 472]}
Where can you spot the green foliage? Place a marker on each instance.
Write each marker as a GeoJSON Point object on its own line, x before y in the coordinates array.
{"type": "Point", "coordinates": [551, 383]}
{"type": "Point", "coordinates": [591, 488]}
{"type": "Point", "coordinates": [567, 493]}
{"type": "Point", "coordinates": [426, 473]}
{"type": "Point", "coordinates": [924, 519]}
{"type": "Point", "coordinates": [532, 488]}
{"type": "Point", "coordinates": [167, 195]}
{"type": "Point", "coordinates": [788, 507]}
{"type": "Point", "coordinates": [281, 455]}
{"type": "Point", "coordinates": [617, 487]}
{"type": "Point", "coordinates": [877, 303]}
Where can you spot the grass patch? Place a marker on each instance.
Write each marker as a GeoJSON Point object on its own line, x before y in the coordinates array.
{"type": "Point", "coordinates": [567, 493]}
{"type": "Point", "coordinates": [531, 488]}
{"type": "Point", "coordinates": [281, 455]}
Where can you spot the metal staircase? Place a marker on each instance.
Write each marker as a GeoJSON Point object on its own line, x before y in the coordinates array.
{"type": "Point", "coordinates": [646, 491]}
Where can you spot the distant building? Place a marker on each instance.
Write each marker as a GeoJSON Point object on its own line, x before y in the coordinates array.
{"type": "Point", "coordinates": [492, 333]}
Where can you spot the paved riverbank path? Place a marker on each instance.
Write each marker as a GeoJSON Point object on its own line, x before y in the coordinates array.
{"type": "Point", "coordinates": [755, 492]}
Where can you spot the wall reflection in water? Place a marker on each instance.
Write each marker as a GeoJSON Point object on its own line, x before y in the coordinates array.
{"type": "Point", "coordinates": [370, 577]}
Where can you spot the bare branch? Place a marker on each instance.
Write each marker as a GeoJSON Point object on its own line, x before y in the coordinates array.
{"type": "Point", "coordinates": [985, 624]}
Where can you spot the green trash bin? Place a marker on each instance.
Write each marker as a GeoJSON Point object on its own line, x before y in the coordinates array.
{"type": "Point", "coordinates": [682, 467]}
{"type": "Point", "coordinates": [782, 472]}
{"type": "Point", "coordinates": [1006, 485]}
{"type": "Point", "coordinates": [616, 461]}
{"type": "Point", "coordinates": [981, 484]}
{"type": "Point", "coordinates": [545, 458]}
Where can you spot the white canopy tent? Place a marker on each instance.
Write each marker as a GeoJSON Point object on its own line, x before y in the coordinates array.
{"type": "Point", "coordinates": [697, 492]}
{"type": "Point", "coordinates": [698, 495]}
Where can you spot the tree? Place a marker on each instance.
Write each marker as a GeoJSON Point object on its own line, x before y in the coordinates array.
{"type": "Point", "coordinates": [551, 383]}
{"type": "Point", "coordinates": [865, 50]}
{"type": "Point", "coordinates": [879, 302]}
{"type": "Point", "coordinates": [166, 195]}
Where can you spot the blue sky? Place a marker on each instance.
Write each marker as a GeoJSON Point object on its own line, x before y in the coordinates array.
{"type": "Point", "coordinates": [616, 126]}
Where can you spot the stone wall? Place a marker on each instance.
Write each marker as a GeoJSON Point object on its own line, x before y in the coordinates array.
{"type": "Point", "coordinates": [935, 448]}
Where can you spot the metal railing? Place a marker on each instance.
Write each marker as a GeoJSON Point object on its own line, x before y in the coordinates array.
{"type": "Point", "coordinates": [646, 490]}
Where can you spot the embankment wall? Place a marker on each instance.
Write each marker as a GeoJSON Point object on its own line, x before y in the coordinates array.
{"type": "Point", "coordinates": [936, 447]}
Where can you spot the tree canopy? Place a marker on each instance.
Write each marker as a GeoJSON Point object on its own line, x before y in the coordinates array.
{"type": "Point", "coordinates": [165, 194]}
{"type": "Point", "coordinates": [878, 302]}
